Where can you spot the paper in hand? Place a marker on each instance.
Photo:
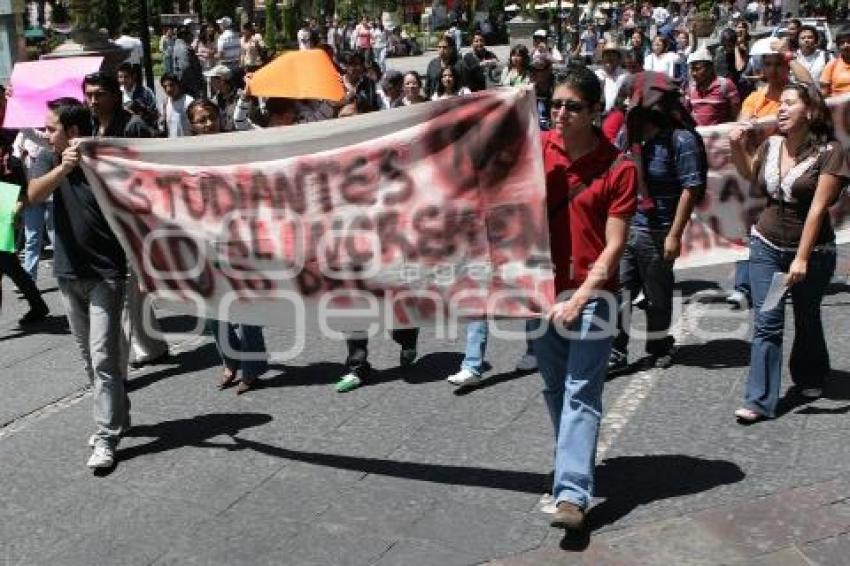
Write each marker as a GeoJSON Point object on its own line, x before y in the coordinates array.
{"type": "Point", "coordinates": [777, 290]}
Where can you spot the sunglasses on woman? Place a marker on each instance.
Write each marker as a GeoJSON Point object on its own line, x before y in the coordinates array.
{"type": "Point", "coordinates": [568, 105]}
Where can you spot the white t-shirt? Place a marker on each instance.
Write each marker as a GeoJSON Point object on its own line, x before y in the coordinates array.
{"type": "Point", "coordinates": [379, 38]}
{"type": "Point", "coordinates": [462, 92]}
{"type": "Point", "coordinates": [229, 47]}
{"type": "Point", "coordinates": [611, 85]}
{"type": "Point", "coordinates": [134, 45]}
{"type": "Point", "coordinates": [664, 63]}
{"type": "Point", "coordinates": [813, 63]}
{"type": "Point", "coordinates": [176, 119]}
{"type": "Point", "coordinates": [303, 39]}
{"type": "Point", "coordinates": [660, 15]}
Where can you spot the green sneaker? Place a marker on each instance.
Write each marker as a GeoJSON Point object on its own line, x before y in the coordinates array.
{"type": "Point", "coordinates": [348, 382]}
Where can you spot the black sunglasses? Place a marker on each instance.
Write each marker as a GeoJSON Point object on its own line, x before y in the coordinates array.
{"type": "Point", "coordinates": [568, 105]}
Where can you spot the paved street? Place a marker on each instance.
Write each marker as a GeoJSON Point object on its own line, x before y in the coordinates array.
{"type": "Point", "coordinates": [408, 471]}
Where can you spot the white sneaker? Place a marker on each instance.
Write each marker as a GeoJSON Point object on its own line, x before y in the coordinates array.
{"type": "Point", "coordinates": [102, 457]}
{"type": "Point", "coordinates": [547, 504]}
{"type": "Point", "coordinates": [464, 377]}
{"type": "Point", "coordinates": [812, 392]}
{"type": "Point", "coordinates": [527, 362]}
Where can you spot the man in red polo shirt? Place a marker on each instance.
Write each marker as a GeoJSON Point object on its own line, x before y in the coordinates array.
{"type": "Point", "coordinates": [591, 194]}
{"type": "Point", "coordinates": [711, 99]}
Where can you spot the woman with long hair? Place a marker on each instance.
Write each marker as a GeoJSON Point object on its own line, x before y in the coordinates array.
{"type": "Point", "coordinates": [241, 346]}
{"type": "Point", "coordinates": [412, 87]}
{"type": "Point", "coordinates": [205, 47]}
{"type": "Point", "coordinates": [660, 59]}
{"type": "Point", "coordinates": [639, 44]}
{"type": "Point", "coordinates": [802, 171]}
{"type": "Point", "coordinates": [516, 73]}
{"type": "Point", "coordinates": [449, 85]}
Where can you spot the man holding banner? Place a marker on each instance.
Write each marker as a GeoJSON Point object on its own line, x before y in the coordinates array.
{"type": "Point", "coordinates": [591, 192]}
{"type": "Point", "coordinates": [91, 269]}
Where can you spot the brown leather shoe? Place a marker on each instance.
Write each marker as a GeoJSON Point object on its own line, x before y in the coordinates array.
{"type": "Point", "coordinates": [228, 378]}
{"type": "Point", "coordinates": [568, 516]}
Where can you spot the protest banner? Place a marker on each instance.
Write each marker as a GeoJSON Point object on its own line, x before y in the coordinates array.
{"type": "Point", "coordinates": [408, 217]}
{"type": "Point", "coordinates": [434, 210]}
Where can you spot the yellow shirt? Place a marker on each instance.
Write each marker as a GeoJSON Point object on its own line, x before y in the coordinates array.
{"type": "Point", "coordinates": [836, 74]}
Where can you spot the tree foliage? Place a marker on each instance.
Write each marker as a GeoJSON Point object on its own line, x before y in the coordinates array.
{"type": "Point", "coordinates": [272, 24]}
{"type": "Point", "coordinates": [215, 9]}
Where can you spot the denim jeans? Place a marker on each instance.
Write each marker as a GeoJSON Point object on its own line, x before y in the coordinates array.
{"type": "Point", "coordinates": [574, 370]}
{"type": "Point", "coordinates": [477, 333]}
{"type": "Point", "coordinates": [643, 268]}
{"type": "Point", "coordinates": [35, 218]}
{"type": "Point", "coordinates": [94, 313]}
{"type": "Point", "coordinates": [742, 278]}
{"type": "Point", "coordinates": [241, 347]}
{"type": "Point", "coordinates": [809, 355]}
{"type": "Point", "coordinates": [357, 361]}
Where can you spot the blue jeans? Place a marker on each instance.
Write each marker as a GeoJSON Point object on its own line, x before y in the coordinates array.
{"type": "Point", "coordinates": [244, 348]}
{"type": "Point", "coordinates": [742, 278]}
{"type": "Point", "coordinates": [477, 333]}
{"type": "Point", "coordinates": [574, 370]}
{"type": "Point", "coordinates": [809, 355]}
{"type": "Point", "coordinates": [35, 217]}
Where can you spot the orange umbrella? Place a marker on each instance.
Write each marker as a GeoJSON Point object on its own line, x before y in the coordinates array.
{"type": "Point", "coordinates": [299, 74]}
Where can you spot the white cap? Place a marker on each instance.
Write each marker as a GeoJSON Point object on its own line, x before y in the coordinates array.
{"type": "Point", "coordinates": [540, 32]}
{"type": "Point", "coordinates": [188, 22]}
{"type": "Point", "coordinates": [219, 71]}
{"type": "Point", "coordinates": [764, 46]}
{"type": "Point", "coordinates": [701, 55]}
{"type": "Point", "coordinates": [224, 22]}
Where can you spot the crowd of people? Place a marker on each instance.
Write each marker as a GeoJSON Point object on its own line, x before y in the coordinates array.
{"type": "Point", "coordinates": [619, 194]}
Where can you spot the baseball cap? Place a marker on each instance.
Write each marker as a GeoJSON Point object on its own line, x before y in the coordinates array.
{"type": "Point", "coordinates": [700, 55]}
{"type": "Point", "coordinates": [539, 33]}
{"type": "Point", "coordinates": [218, 71]}
{"type": "Point", "coordinates": [188, 22]}
{"type": "Point", "coordinates": [224, 22]}
{"type": "Point", "coordinates": [764, 46]}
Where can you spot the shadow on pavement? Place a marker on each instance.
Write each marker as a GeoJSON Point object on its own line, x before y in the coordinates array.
{"type": "Point", "coordinates": [836, 288]}
{"type": "Point", "coordinates": [528, 482]}
{"type": "Point", "coordinates": [717, 354]}
{"type": "Point", "coordinates": [691, 287]}
{"type": "Point", "coordinates": [428, 368]}
{"type": "Point", "coordinates": [170, 435]}
{"type": "Point", "coordinates": [627, 482]}
{"type": "Point", "coordinates": [836, 388]}
{"type": "Point", "coordinates": [199, 359]}
{"type": "Point", "coordinates": [492, 380]}
{"type": "Point", "coordinates": [53, 324]}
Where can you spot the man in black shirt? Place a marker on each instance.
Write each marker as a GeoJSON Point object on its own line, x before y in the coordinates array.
{"type": "Point", "coordinates": [110, 119]}
{"type": "Point", "coordinates": [446, 57]}
{"type": "Point", "coordinates": [478, 62]}
{"type": "Point", "coordinates": [91, 269]}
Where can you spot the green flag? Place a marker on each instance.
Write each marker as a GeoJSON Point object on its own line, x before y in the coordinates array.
{"type": "Point", "coordinates": [8, 203]}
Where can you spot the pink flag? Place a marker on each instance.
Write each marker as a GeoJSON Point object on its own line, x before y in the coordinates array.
{"type": "Point", "coordinates": [37, 82]}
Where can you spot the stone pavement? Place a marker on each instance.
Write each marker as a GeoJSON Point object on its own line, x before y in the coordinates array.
{"type": "Point", "coordinates": [409, 471]}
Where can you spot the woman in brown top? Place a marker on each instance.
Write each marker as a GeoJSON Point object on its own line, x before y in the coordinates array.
{"type": "Point", "coordinates": [801, 171]}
